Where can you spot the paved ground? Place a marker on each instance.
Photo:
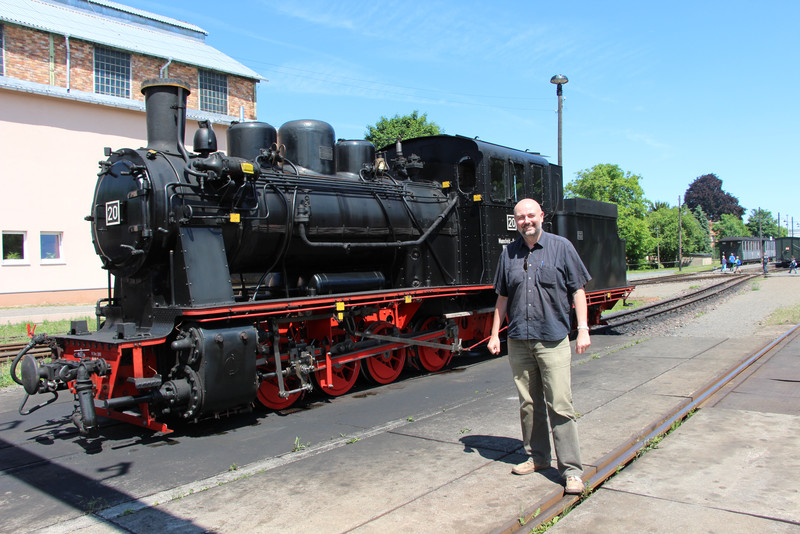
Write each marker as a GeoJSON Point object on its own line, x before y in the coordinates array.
{"type": "Point", "coordinates": [730, 468]}
{"type": "Point", "coordinates": [37, 314]}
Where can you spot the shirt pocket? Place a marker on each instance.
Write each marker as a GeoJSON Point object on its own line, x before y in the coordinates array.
{"type": "Point", "coordinates": [548, 276]}
{"type": "Point", "coordinates": [516, 277]}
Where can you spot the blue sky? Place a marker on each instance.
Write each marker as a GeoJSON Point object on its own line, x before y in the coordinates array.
{"type": "Point", "coordinates": [668, 91]}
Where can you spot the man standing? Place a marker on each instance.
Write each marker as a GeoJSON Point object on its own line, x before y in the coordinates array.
{"type": "Point", "coordinates": [536, 276]}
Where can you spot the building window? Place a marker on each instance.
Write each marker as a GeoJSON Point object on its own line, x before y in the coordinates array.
{"type": "Point", "coordinates": [14, 248]}
{"type": "Point", "coordinates": [112, 72]}
{"type": "Point", "coordinates": [50, 245]}
{"type": "Point", "coordinates": [213, 92]}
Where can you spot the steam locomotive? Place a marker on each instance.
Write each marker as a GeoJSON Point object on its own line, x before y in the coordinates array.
{"type": "Point", "coordinates": [294, 262]}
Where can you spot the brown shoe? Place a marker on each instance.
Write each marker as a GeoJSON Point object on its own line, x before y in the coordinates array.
{"type": "Point", "coordinates": [527, 467]}
{"type": "Point", "coordinates": [574, 485]}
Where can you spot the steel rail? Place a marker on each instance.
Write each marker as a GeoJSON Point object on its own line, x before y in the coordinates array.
{"type": "Point", "coordinates": [667, 305]}
{"type": "Point", "coordinates": [556, 502]}
{"type": "Point", "coordinates": [8, 351]}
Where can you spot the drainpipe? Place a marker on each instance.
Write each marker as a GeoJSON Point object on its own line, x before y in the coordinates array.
{"type": "Point", "coordinates": [66, 40]}
{"type": "Point", "coordinates": [164, 69]}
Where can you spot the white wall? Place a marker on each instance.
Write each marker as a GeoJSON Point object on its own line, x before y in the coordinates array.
{"type": "Point", "coordinates": [49, 153]}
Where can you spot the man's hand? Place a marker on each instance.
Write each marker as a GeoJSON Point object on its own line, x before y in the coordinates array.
{"type": "Point", "coordinates": [582, 342]}
{"type": "Point", "coordinates": [494, 344]}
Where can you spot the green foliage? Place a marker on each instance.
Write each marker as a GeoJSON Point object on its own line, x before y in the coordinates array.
{"type": "Point", "coordinates": [663, 225]}
{"type": "Point", "coordinates": [5, 375]}
{"type": "Point", "coordinates": [706, 192]}
{"type": "Point", "coordinates": [730, 226]}
{"type": "Point", "coordinates": [702, 219]}
{"type": "Point", "coordinates": [386, 131]}
{"type": "Point", "coordinates": [761, 222]}
{"type": "Point", "coordinates": [609, 183]}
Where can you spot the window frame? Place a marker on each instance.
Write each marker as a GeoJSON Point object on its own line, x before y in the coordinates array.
{"type": "Point", "coordinates": [58, 260]}
{"type": "Point", "coordinates": [105, 78]}
{"type": "Point", "coordinates": [209, 84]}
{"type": "Point", "coordinates": [466, 174]}
{"type": "Point", "coordinates": [496, 164]}
{"type": "Point", "coordinates": [25, 259]}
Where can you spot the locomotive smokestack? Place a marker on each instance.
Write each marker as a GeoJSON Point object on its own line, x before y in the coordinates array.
{"type": "Point", "coordinates": [165, 103]}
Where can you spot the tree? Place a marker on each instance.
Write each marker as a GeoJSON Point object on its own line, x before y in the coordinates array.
{"type": "Point", "coordinates": [386, 131]}
{"type": "Point", "coordinates": [609, 183]}
{"type": "Point", "coordinates": [706, 192]}
{"type": "Point", "coordinates": [663, 224]}
{"type": "Point", "coordinates": [702, 218]}
{"type": "Point", "coordinates": [730, 226]}
{"type": "Point", "coordinates": [763, 222]}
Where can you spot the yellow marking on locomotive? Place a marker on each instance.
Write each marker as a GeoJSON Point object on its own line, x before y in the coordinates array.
{"type": "Point", "coordinates": [477, 198]}
{"type": "Point", "coordinates": [247, 168]}
{"type": "Point", "coordinates": [407, 299]}
{"type": "Point", "coordinates": [445, 185]}
{"type": "Point", "coordinates": [235, 217]}
{"type": "Point", "coordinates": [340, 309]}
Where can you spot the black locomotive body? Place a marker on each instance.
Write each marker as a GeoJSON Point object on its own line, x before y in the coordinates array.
{"type": "Point", "coordinates": [295, 261]}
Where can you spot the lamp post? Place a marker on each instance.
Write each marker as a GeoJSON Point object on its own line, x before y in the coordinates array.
{"type": "Point", "coordinates": [559, 80]}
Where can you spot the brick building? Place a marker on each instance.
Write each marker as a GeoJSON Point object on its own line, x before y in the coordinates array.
{"type": "Point", "coordinates": [70, 78]}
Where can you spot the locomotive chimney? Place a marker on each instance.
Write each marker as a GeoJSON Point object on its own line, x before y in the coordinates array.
{"type": "Point", "coordinates": [165, 103]}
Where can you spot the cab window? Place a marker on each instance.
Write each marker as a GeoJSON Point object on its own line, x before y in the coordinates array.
{"type": "Point", "coordinates": [466, 175]}
{"type": "Point", "coordinates": [497, 180]}
{"type": "Point", "coordinates": [518, 181]}
{"type": "Point", "coordinates": [536, 192]}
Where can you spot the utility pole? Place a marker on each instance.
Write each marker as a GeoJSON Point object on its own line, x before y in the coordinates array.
{"type": "Point", "coordinates": [680, 235]}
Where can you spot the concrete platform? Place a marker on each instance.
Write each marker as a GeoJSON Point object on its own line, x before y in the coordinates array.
{"type": "Point", "coordinates": [733, 467]}
{"type": "Point", "coordinates": [448, 470]}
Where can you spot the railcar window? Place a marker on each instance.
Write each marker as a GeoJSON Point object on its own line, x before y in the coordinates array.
{"type": "Point", "coordinates": [497, 180]}
{"type": "Point", "coordinates": [466, 175]}
{"type": "Point", "coordinates": [518, 180]}
{"type": "Point", "coordinates": [13, 247]}
{"type": "Point", "coordinates": [536, 192]}
{"type": "Point", "coordinates": [213, 91]}
{"type": "Point", "coordinates": [112, 72]}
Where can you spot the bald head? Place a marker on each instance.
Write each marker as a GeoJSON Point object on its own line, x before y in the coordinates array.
{"type": "Point", "coordinates": [529, 218]}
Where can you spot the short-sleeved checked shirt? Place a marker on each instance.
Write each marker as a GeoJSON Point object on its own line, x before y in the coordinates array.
{"type": "Point", "coordinates": [538, 283]}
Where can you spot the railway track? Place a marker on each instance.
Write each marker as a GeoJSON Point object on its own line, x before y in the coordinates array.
{"type": "Point", "coordinates": [9, 350]}
{"type": "Point", "coordinates": [615, 320]}
{"type": "Point", "coordinates": [703, 275]}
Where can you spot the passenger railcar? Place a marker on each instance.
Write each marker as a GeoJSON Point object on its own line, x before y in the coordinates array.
{"type": "Point", "coordinates": [749, 249]}
{"type": "Point", "coordinates": [787, 248]}
{"type": "Point", "coordinates": [294, 262]}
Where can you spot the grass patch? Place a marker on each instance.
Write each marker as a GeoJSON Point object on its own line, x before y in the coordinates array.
{"type": "Point", "coordinates": [626, 305]}
{"type": "Point", "coordinates": [5, 375]}
{"type": "Point", "coordinates": [16, 332]}
{"type": "Point", "coordinates": [782, 316]}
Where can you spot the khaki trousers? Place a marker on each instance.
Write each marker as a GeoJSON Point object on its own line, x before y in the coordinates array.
{"type": "Point", "coordinates": [543, 378]}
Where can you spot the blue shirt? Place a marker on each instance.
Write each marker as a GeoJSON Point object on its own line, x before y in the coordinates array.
{"type": "Point", "coordinates": [538, 283]}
